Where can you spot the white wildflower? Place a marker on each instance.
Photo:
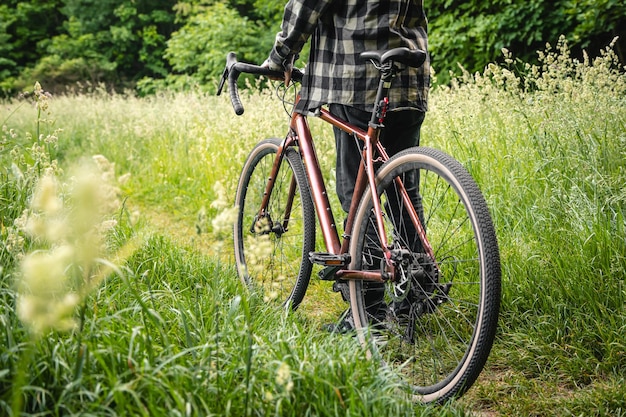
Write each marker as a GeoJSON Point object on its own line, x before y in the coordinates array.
{"type": "Point", "coordinates": [283, 376]}
{"type": "Point", "coordinates": [221, 199]}
{"type": "Point", "coordinates": [270, 296]}
{"type": "Point", "coordinates": [106, 225]}
{"type": "Point", "coordinates": [51, 285]}
{"type": "Point", "coordinates": [44, 301]}
{"type": "Point", "coordinates": [223, 222]}
{"type": "Point", "coordinates": [106, 167]}
{"type": "Point", "coordinates": [261, 248]}
{"type": "Point", "coordinates": [46, 197]}
{"type": "Point", "coordinates": [17, 172]}
{"type": "Point", "coordinates": [43, 272]}
{"type": "Point", "coordinates": [123, 179]}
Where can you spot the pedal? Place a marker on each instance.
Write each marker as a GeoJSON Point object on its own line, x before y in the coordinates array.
{"type": "Point", "coordinates": [329, 259]}
{"type": "Point", "coordinates": [332, 263]}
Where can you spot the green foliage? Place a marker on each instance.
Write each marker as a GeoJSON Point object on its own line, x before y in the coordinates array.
{"type": "Point", "coordinates": [7, 61]}
{"type": "Point", "coordinates": [128, 36]}
{"type": "Point", "coordinates": [26, 25]}
{"type": "Point", "coordinates": [180, 43]}
{"type": "Point", "coordinates": [597, 20]}
{"type": "Point", "coordinates": [24, 29]}
{"type": "Point", "coordinates": [114, 41]}
{"type": "Point", "coordinates": [472, 34]}
{"type": "Point", "coordinates": [199, 48]}
{"type": "Point", "coordinates": [270, 10]}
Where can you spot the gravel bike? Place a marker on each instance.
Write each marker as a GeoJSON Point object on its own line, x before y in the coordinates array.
{"type": "Point", "coordinates": [418, 250]}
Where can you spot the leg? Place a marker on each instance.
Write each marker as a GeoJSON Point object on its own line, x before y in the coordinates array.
{"type": "Point", "coordinates": [404, 132]}
{"type": "Point", "coordinates": [348, 152]}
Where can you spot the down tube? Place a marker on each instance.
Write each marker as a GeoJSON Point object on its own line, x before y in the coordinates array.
{"type": "Point", "coordinates": [316, 182]}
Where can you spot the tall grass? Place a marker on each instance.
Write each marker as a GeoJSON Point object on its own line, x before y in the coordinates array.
{"type": "Point", "coordinates": [548, 150]}
{"type": "Point", "coordinates": [174, 332]}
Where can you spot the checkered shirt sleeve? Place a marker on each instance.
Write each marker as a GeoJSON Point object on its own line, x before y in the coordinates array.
{"type": "Point", "coordinates": [339, 31]}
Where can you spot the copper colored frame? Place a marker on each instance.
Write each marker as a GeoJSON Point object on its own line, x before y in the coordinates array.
{"type": "Point", "coordinates": [300, 135]}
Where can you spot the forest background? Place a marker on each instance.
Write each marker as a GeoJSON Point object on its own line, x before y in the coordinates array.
{"type": "Point", "coordinates": [148, 45]}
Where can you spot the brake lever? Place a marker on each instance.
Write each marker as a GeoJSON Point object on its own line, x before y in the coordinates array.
{"type": "Point", "coordinates": [222, 81]}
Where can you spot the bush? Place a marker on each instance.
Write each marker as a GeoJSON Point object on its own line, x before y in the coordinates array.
{"type": "Point", "coordinates": [472, 34]}
{"type": "Point", "coordinates": [198, 50]}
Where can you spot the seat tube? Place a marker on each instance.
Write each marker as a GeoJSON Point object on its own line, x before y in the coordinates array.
{"type": "Point", "coordinates": [318, 190]}
{"type": "Point", "coordinates": [371, 141]}
{"type": "Point", "coordinates": [273, 174]}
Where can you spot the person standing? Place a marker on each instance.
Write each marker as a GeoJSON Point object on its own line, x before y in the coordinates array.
{"type": "Point", "coordinates": [339, 31]}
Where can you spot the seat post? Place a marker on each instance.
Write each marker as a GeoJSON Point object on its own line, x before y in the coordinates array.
{"type": "Point", "coordinates": [388, 72]}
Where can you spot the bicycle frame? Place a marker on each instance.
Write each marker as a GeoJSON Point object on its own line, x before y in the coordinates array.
{"type": "Point", "coordinates": [300, 135]}
{"type": "Point", "coordinates": [397, 193]}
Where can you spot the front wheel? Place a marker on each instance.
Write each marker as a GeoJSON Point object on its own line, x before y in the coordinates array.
{"type": "Point", "coordinates": [435, 320]}
{"type": "Point", "coordinates": [272, 249]}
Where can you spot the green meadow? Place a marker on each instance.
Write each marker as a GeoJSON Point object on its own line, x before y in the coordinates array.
{"type": "Point", "coordinates": [159, 324]}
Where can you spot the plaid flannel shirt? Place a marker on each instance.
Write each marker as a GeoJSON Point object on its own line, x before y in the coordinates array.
{"type": "Point", "coordinates": [340, 30]}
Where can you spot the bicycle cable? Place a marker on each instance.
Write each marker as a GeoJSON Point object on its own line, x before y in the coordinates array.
{"type": "Point", "coordinates": [281, 92]}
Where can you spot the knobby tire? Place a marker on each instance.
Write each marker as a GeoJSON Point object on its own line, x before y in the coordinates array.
{"type": "Point", "coordinates": [271, 258]}
{"type": "Point", "coordinates": [436, 324]}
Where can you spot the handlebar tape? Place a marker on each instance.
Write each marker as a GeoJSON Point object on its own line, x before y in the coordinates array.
{"type": "Point", "coordinates": [235, 68]}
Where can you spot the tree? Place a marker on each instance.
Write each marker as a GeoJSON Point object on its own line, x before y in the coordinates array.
{"type": "Point", "coordinates": [111, 41]}
{"type": "Point", "coordinates": [130, 35]}
{"type": "Point", "coordinates": [473, 33]}
{"type": "Point", "coordinates": [198, 49]}
{"type": "Point", "coordinates": [158, 42]}
{"type": "Point", "coordinates": [24, 28]}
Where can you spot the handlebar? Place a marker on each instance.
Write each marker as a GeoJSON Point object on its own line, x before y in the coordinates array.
{"type": "Point", "coordinates": [234, 68]}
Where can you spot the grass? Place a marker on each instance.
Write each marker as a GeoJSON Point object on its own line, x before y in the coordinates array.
{"type": "Point", "coordinates": [173, 332]}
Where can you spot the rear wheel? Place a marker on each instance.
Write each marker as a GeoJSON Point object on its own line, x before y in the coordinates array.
{"type": "Point", "coordinates": [272, 250]}
{"type": "Point", "coordinates": [434, 322]}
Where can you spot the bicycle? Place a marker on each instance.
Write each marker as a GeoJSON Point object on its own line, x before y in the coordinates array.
{"type": "Point", "coordinates": [418, 243]}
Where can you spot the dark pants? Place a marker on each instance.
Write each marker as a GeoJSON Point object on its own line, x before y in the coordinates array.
{"type": "Point", "coordinates": [402, 131]}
